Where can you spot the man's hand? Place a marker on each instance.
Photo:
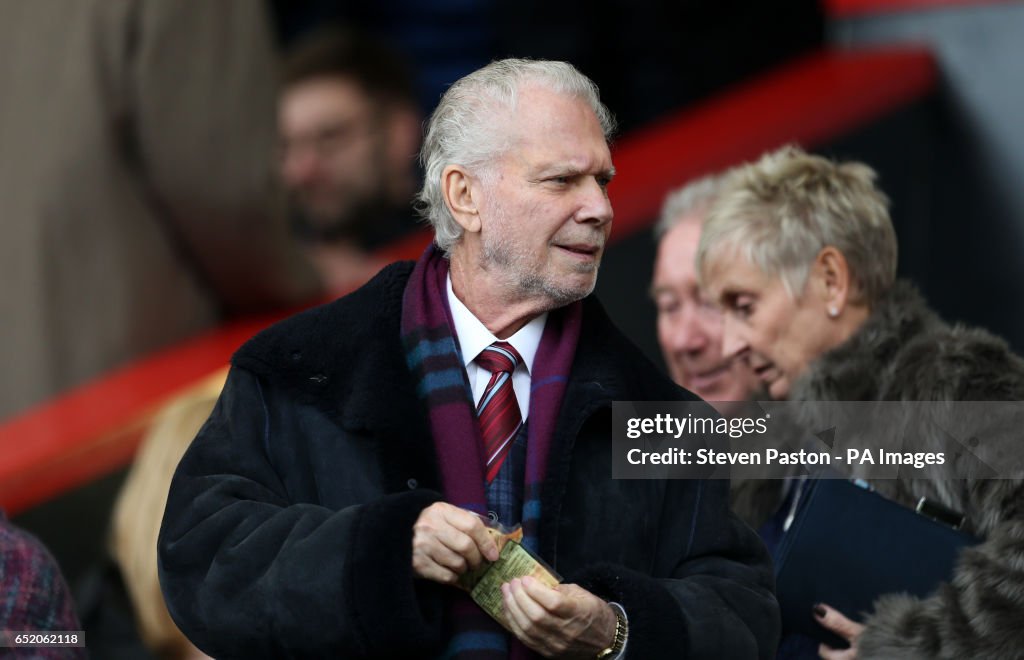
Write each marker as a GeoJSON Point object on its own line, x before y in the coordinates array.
{"type": "Point", "coordinates": [565, 622]}
{"type": "Point", "coordinates": [849, 630]}
{"type": "Point", "coordinates": [447, 541]}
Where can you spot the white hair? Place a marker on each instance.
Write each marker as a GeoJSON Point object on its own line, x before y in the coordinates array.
{"type": "Point", "coordinates": [467, 127]}
{"type": "Point", "coordinates": [781, 211]}
{"type": "Point", "coordinates": [695, 197]}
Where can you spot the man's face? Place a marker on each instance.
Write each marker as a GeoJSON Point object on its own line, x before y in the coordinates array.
{"type": "Point", "coordinates": [689, 326]}
{"type": "Point", "coordinates": [334, 151]}
{"type": "Point", "coordinates": [545, 214]}
{"type": "Point", "coordinates": [776, 334]}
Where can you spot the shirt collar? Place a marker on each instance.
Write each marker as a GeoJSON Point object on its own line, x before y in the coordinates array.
{"type": "Point", "coordinates": [475, 337]}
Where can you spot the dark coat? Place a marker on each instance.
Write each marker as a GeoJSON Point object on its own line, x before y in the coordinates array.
{"type": "Point", "coordinates": [288, 528]}
{"type": "Point", "coordinates": [904, 352]}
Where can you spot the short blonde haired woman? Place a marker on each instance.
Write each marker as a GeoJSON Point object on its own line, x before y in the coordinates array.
{"type": "Point", "coordinates": [120, 602]}
{"type": "Point", "coordinates": [801, 254]}
{"type": "Point", "coordinates": [137, 515]}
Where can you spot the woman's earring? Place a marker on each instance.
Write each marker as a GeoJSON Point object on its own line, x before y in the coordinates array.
{"type": "Point", "coordinates": [833, 312]}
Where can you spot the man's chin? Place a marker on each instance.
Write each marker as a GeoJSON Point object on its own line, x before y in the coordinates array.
{"type": "Point", "coordinates": [710, 385]}
{"type": "Point", "coordinates": [561, 295]}
{"type": "Point", "coordinates": [586, 267]}
{"type": "Point", "coordinates": [778, 389]}
{"type": "Point", "coordinates": [726, 408]}
{"type": "Point", "coordinates": [723, 391]}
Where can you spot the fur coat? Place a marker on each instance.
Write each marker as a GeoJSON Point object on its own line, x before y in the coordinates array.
{"type": "Point", "coordinates": [905, 352]}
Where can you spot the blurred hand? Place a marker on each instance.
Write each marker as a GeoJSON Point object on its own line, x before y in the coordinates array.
{"type": "Point", "coordinates": [447, 541]}
{"type": "Point", "coordinates": [565, 622]}
{"type": "Point", "coordinates": [834, 620]}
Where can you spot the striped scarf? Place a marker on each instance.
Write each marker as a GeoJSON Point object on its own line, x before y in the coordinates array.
{"type": "Point", "coordinates": [432, 352]}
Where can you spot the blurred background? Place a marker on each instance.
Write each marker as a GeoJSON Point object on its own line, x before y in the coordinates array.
{"type": "Point", "coordinates": [176, 175]}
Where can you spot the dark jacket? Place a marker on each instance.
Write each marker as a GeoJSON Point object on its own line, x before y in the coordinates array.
{"type": "Point", "coordinates": [904, 352]}
{"type": "Point", "coordinates": [288, 528]}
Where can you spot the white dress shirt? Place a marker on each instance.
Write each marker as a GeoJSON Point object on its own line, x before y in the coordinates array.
{"type": "Point", "coordinates": [474, 337]}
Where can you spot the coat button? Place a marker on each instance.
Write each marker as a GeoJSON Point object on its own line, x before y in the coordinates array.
{"type": "Point", "coordinates": [412, 484]}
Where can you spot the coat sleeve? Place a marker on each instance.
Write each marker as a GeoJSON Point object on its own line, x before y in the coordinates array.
{"type": "Point", "coordinates": [248, 573]}
{"type": "Point", "coordinates": [979, 612]}
{"type": "Point", "coordinates": [717, 599]}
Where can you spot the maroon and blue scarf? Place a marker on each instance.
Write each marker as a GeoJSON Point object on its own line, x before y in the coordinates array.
{"type": "Point", "coordinates": [432, 352]}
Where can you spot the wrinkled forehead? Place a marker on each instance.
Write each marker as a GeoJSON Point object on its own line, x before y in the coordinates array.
{"type": "Point", "coordinates": [542, 114]}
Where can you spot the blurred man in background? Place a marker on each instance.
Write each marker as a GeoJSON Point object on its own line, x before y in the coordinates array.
{"type": "Point", "coordinates": [690, 327]}
{"type": "Point", "coordinates": [350, 130]}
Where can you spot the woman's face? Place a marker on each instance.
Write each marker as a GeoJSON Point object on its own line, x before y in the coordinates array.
{"type": "Point", "coordinates": [777, 335]}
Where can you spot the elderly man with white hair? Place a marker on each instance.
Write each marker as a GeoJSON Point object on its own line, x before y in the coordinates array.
{"type": "Point", "coordinates": [340, 488]}
{"type": "Point", "coordinates": [690, 325]}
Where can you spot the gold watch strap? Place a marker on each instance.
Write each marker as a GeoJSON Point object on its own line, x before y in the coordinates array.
{"type": "Point", "coordinates": [621, 631]}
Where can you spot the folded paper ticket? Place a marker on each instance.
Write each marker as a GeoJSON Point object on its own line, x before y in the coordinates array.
{"type": "Point", "coordinates": [514, 561]}
{"type": "Point", "coordinates": [501, 536]}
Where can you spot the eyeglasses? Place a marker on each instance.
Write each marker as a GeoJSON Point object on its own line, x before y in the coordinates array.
{"type": "Point", "coordinates": [329, 139]}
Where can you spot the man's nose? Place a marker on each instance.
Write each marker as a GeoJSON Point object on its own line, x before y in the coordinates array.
{"type": "Point", "coordinates": [595, 207]}
{"type": "Point", "coordinates": [299, 165]}
{"type": "Point", "coordinates": [689, 333]}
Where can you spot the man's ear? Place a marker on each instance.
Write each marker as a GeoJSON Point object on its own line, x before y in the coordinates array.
{"type": "Point", "coordinates": [458, 188]}
{"type": "Point", "coordinates": [835, 281]}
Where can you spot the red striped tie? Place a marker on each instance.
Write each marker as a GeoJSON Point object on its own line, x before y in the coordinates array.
{"type": "Point", "coordinates": [498, 410]}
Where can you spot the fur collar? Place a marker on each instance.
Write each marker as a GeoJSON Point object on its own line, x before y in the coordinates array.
{"type": "Point", "coordinates": [345, 356]}
{"type": "Point", "coordinates": [906, 352]}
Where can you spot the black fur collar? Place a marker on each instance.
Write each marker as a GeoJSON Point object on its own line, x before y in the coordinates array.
{"type": "Point", "coordinates": [345, 357]}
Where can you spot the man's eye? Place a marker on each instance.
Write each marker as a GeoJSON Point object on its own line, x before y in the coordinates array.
{"type": "Point", "coordinates": [603, 181]}
{"type": "Point", "coordinates": [667, 306]}
{"type": "Point", "coordinates": [743, 310]}
{"type": "Point", "coordinates": [560, 180]}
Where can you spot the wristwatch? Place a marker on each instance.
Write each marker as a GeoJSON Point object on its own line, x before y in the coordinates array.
{"type": "Point", "coordinates": [621, 631]}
